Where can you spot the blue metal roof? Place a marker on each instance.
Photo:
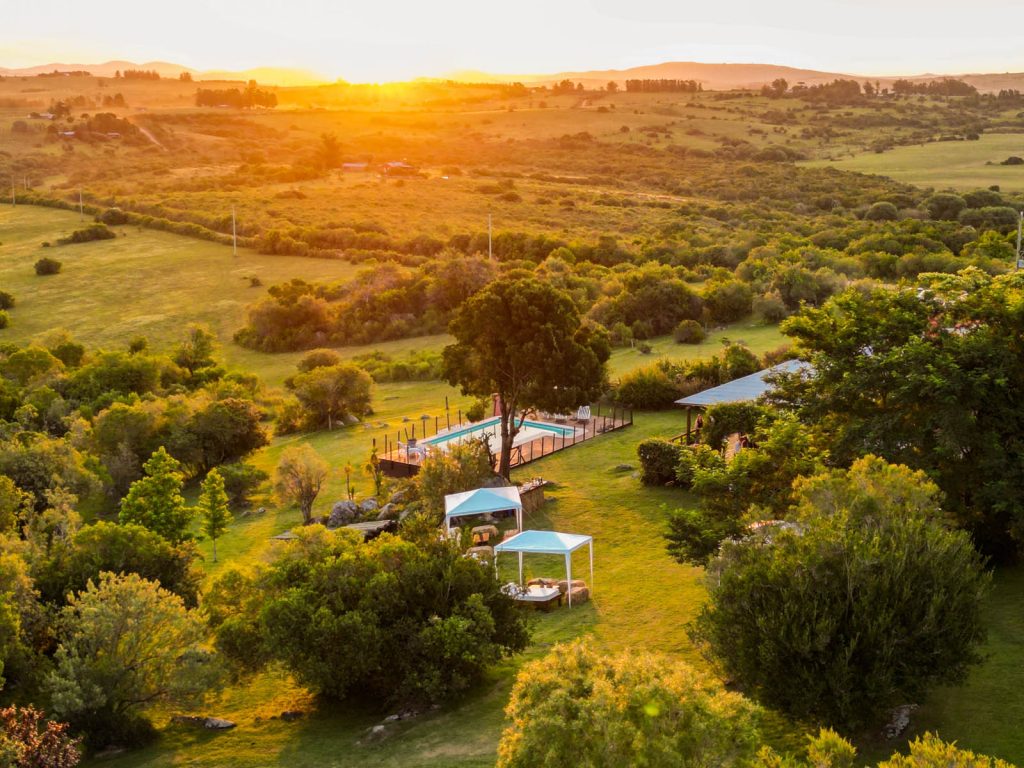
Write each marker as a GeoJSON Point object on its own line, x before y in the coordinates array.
{"type": "Point", "coordinates": [740, 390]}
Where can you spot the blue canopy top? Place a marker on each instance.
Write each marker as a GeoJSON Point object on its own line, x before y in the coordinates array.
{"type": "Point", "coordinates": [481, 500]}
{"type": "Point", "coordinates": [544, 542]}
{"type": "Point", "coordinates": [740, 390]}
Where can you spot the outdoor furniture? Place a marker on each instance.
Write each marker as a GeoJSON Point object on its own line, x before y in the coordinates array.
{"type": "Point", "coordinates": [583, 414]}
{"type": "Point", "coordinates": [482, 534]}
{"type": "Point", "coordinates": [579, 595]}
{"type": "Point", "coordinates": [542, 597]}
{"type": "Point", "coordinates": [547, 543]}
{"type": "Point", "coordinates": [564, 586]}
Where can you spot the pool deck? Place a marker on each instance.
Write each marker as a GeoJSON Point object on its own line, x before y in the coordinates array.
{"type": "Point", "coordinates": [400, 459]}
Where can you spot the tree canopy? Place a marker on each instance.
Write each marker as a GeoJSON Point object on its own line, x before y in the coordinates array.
{"type": "Point", "coordinates": [523, 341]}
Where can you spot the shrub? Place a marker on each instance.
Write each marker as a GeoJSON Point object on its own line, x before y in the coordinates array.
{"type": "Point", "coordinates": [882, 211]}
{"type": "Point", "coordinates": [388, 622]}
{"type": "Point", "coordinates": [89, 234]}
{"type": "Point", "coordinates": [770, 307]}
{"type": "Point", "coordinates": [1000, 218]}
{"type": "Point", "coordinates": [866, 601]}
{"type": "Point", "coordinates": [48, 266]}
{"type": "Point", "coordinates": [659, 460]}
{"type": "Point", "coordinates": [478, 410]}
{"type": "Point", "coordinates": [240, 481]}
{"type": "Point", "coordinates": [689, 332]}
{"type": "Point", "coordinates": [114, 217]}
{"type": "Point", "coordinates": [6, 300]}
{"type": "Point", "coordinates": [647, 388]}
{"type": "Point", "coordinates": [319, 358]}
{"type": "Point", "coordinates": [728, 301]}
{"type": "Point", "coordinates": [578, 707]}
{"type": "Point", "coordinates": [723, 419]}
{"type": "Point", "coordinates": [5, 319]}
{"type": "Point", "coordinates": [693, 458]}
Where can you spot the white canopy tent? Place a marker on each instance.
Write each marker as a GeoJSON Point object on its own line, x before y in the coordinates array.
{"type": "Point", "coordinates": [483, 500]}
{"type": "Point", "coordinates": [548, 543]}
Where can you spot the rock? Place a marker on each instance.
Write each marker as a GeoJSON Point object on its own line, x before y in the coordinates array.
{"type": "Point", "coordinates": [342, 513]}
{"type": "Point", "coordinates": [623, 468]}
{"type": "Point", "coordinates": [899, 720]}
{"type": "Point", "coordinates": [368, 505]}
{"type": "Point", "coordinates": [291, 714]}
{"type": "Point", "coordinates": [387, 512]}
{"type": "Point", "coordinates": [375, 733]}
{"type": "Point", "coordinates": [211, 723]}
{"type": "Point", "coordinates": [390, 718]}
{"type": "Point", "coordinates": [398, 497]}
{"type": "Point", "coordinates": [404, 514]}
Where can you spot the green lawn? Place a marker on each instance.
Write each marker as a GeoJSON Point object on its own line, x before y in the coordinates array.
{"type": "Point", "coordinates": [958, 164]}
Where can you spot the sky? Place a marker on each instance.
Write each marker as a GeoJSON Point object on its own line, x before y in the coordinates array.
{"type": "Point", "coordinates": [381, 40]}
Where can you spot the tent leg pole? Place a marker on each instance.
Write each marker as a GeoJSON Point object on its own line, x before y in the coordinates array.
{"type": "Point", "coordinates": [520, 569]}
{"type": "Point", "coordinates": [591, 567]}
{"type": "Point", "coordinates": [568, 576]}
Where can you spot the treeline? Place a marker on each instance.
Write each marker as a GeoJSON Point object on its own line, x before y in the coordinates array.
{"type": "Point", "coordinates": [248, 98]}
{"type": "Point", "coordinates": [138, 74]}
{"type": "Point", "coordinates": [947, 86]}
{"type": "Point", "coordinates": [663, 85]}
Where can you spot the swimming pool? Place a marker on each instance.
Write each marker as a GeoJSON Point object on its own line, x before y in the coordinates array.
{"type": "Point", "coordinates": [491, 429]}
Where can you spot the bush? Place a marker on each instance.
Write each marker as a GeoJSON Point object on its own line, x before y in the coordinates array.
{"type": "Point", "coordinates": [866, 601]}
{"type": "Point", "coordinates": [577, 707]}
{"type": "Point", "coordinates": [882, 211]}
{"type": "Point", "coordinates": [48, 266]}
{"type": "Point", "coordinates": [114, 217]}
{"type": "Point", "coordinates": [770, 307]}
{"type": "Point", "coordinates": [689, 332]}
{"type": "Point", "coordinates": [659, 460]}
{"type": "Point", "coordinates": [6, 300]}
{"type": "Point", "coordinates": [240, 481]}
{"type": "Point", "coordinates": [999, 218]}
{"type": "Point", "coordinates": [478, 410]}
{"type": "Point", "coordinates": [89, 234]}
{"type": "Point", "coordinates": [5, 319]}
{"type": "Point", "coordinates": [647, 388]}
{"type": "Point", "coordinates": [728, 301]}
{"type": "Point", "coordinates": [693, 458]}
{"type": "Point", "coordinates": [387, 623]}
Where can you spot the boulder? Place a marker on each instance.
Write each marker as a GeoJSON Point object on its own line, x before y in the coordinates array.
{"type": "Point", "coordinates": [291, 714]}
{"type": "Point", "coordinates": [211, 723]}
{"type": "Point", "coordinates": [342, 513]}
{"type": "Point", "coordinates": [398, 497]}
{"type": "Point", "coordinates": [388, 512]}
{"type": "Point", "coordinates": [366, 506]}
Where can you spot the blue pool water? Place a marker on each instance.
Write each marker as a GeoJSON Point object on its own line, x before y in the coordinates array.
{"type": "Point", "coordinates": [490, 427]}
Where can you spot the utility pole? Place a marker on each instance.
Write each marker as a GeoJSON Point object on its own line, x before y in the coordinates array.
{"type": "Point", "coordinates": [14, 201]}
{"type": "Point", "coordinates": [490, 250]}
{"type": "Point", "coordinates": [1020, 225]}
{"type": "Point", "coordinates": [81, 207]}
{"type": "Point", "coordinates": [234, 234]}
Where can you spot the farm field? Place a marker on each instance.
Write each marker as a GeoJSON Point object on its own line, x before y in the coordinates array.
{"type": "Point", "coordinates": [960, 165]}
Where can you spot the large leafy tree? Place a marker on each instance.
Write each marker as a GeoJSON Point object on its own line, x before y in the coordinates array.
{"type": "Point", "coordinates": [863, 599]}
{"type": "Point", "coordinates": [580, 707]}
{"type": "Point", "coordinates": [389, 621]}
{"type": "Point", "coordinates": [126, 645]}
{"type": "Point", "coordinates": [333, 393]}
{"type": "Point", "coordinates": [523, 341]}
{"type": "Point", "coordinates": [155, 501]}
{"type": "Point", "coordinates": [928, 377]}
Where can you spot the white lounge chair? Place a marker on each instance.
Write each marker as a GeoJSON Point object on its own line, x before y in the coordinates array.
{"type": "Point", "coordinates": [583, 414]}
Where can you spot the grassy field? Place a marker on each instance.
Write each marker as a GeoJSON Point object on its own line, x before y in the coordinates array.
{"type": "Point", "coordinates": [962, 165]}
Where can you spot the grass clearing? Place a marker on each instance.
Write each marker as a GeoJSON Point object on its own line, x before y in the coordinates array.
{"type": "Point", "coordinates": [960, 165]}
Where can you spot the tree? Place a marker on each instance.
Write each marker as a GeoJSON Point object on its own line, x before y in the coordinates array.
{"type": "Point", "coordinates": [126, 645]}
{"type": "Point", "coordinates": [926, 376]}
{"type": "Point", "coordinates": [328, 154]}
{"type": "Point", "coordinates": [155, 501]}
{"type": "Point", "coordinates": [241, 480]}
{"type": "Point", "coordinates": [196, 351]}
{"type": "Point", "coordinates": [523, 341]}
{"type": "Point", "coordinates": [612, 87]}
{"type": "Point", "coordinates": [864, 599]}
{"type": "Point", "coordinates": [213, 508]}
{"type": "Point", "coordinates": [334, 392]}
{"type": "Point", "coordinates": [300, 476]}
{"type": "Point", "coordinates": [462, 467]}
{"type": "Point", "coordinates": [29, 740]}
{"type": "Point", "coordinates": [579, 707]}
{"type": "Point", "coordinates": [388, 622]}
{"type": "Point", "coordinates": [105, 547]}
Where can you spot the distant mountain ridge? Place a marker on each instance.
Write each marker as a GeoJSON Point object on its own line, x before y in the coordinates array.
{"type": "Point", "coordinates": [726, 76]}
{"type": "Point", "coordinates": [265, 75]}
{"type": "Point", "coordinates": [713, 77]}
